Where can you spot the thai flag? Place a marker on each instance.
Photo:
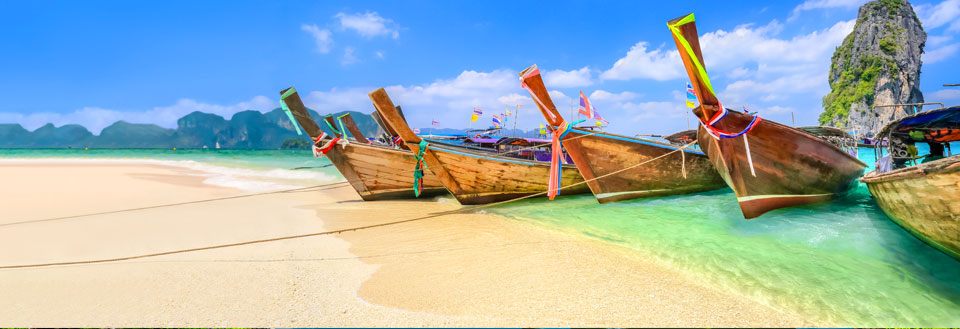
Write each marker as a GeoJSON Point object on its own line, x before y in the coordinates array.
{"type": "Point", "coordinates": [497, 122]}
{"type": "Point", "coordinates": [596, 116]}
{"type": "Point", "coordinates": [435, 123]}
{"type": "Point", "coordinates": [416, 130]}
{"type": "Point", "coordinates": [585, 107]}
{"type": "Point", "coordinates": [477, 111]}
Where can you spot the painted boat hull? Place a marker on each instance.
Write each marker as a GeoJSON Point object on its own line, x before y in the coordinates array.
{"type": "Point", "coordinates": [792, 167]}
{"type": "Point", "coordinates": [599, 154]}
{"type": "Point", "coordinates": [924, 200]}
{"type": "Point", "coordinates": [484, 178]}
{"type": "Point", "coordinates": [380, 172]}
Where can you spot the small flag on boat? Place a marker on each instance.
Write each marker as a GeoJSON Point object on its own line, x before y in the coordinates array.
{"type": "Point", "coordinates": [416, 130]}
{"type": "Point", "coordinates": [585, 107]}
{"type": "Point", "coordinates": [477, 113]}
{"type": "Point", "coordinates": [691, 97]}
{"type": "Point", "coordinates": [435, 123]}
{"type": "Point", "coordinates": [497, 121]}
{"type": "Point", "coordinates": [543, 130]}
{"type": "Point", "coordinates": [596, 116]}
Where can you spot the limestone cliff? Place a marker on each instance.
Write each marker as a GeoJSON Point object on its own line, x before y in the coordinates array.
{"type": "Point", "coordinates": [877, 64]}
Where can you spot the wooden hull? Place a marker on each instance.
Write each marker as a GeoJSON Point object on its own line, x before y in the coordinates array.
{"type": "Point", "coordinates": [484, 178]}
{"type": "Point", "coordinates": [792, 167]}
{"type": "Point", "coordinates": [925, 200]}
{"type": "Point", "coordinates": [380, 172]}
{"type": "Point", "coordinates": [598, 154]}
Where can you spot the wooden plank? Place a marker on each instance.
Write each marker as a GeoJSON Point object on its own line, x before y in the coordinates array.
{"type": "Point", "coordinates": [392, 117]}
{"type": "Point", "coordinates": [352, 127]}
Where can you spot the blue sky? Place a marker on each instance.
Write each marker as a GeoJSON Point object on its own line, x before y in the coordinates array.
{"type": "Point", "coordinates": [95, 62]}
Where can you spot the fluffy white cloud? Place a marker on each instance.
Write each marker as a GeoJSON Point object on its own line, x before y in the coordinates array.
{"type": "Point", "coordinates": [368, 24]}
{"type": "Point", "coordinates": [659, 64]}
{"type": "Point", "coordinates": [943, 13]}
{"type": "Point", "coordinates": [823, 4]}
{"type": "Point", "coordinates": [944, 95]}
{"type": "Point", "coordinates": [349, 56]}
{"type": "Point", "coordinates": [322, 37]}
{"type": "Point", "coordinates": [95, 118]}
{"type": "Point", "coordinates": [749, 65]}
{"type": "Point", "coordinates": [940, 53]}
{"type": "Point", "coordinates": [568, 79]}
{"type": "Point", "coordinates": [448, 100]}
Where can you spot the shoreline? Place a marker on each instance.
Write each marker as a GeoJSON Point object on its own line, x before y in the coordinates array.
{"type": "Point", "coordinates": [450, 270]}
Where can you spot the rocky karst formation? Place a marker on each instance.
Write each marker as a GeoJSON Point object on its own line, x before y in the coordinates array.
{"type": "Point", "coordinates": [877, 64]}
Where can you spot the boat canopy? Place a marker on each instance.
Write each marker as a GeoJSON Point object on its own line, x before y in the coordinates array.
{"type": "Point", "coordinates": [937, 126]}
{"type": "Point", "coordinates": [682, 137]}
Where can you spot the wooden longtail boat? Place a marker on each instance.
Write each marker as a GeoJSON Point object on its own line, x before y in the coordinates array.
{"type": "Point", "coordinates": [925, 198]}
{"type": "Point", "coordinates": [597, 154]}
{"type": "Point", "coordinates": [376, 172]}
{"type": "Point", "coordinates": [476, 177]}
{"type": "Point", "coordinates": [768, 165]}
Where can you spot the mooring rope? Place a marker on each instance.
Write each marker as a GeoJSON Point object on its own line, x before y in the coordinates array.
{"type": "Point", "coordinates": [299, 236]}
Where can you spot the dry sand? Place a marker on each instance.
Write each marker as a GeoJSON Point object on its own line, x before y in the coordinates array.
{"type": "Point", "coordinates": [455, 270]}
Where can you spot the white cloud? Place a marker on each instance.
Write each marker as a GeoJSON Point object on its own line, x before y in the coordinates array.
{"type": "Point", "coordinates": [380, 54]}
{"type": "Point", "coordinates": [945, 95]}
{"type": "Point", "coordinates": [368, 24]}
{"type": "Point", "coordinates": [940, 54]}
{"type": "Point", "coordinates": [449, 100]}
{"type": "Point", "coordinates": [349, 56]}
{"type": "Point", "coordinates": [937, 40]}
{"type": "Point", "coordinates": [323, 37]}
{"type": "Point", "coordinates": [601, 95]}
{"type": "Point", "coordinates": [751, 65]}
{"type": "Point", "coordinates": [659, 64]}
{"type": "Point", "coordinates": [943, 13]}
{"type": "Point", "coordinates": [95, 118]}
{"type": "Point", "coordinates": [824, 4]}
{"type": "Point", "coordinates": [568, 79]}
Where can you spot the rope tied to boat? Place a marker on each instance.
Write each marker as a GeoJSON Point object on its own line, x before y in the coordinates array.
{"type": "Point", "coordinates": [556, 158]}
{"type": "Point", "coordinates": [305, 235]}
{"type": "Point", "coordinates": [318, 149]}
{"type": "Point", "coordinates": [418, 168]}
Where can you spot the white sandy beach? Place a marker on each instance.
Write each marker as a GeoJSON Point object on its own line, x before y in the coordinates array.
{"type": "Point", "coordinates": [455, 270]}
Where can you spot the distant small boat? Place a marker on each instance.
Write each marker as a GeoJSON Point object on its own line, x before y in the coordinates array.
{"type": "Point", "coordinates": [601, 154]}
{"type": "Point", "coordinates": [767, 164]}
{"type": "Point", "coordinates": [923, 198]}
{"type": "Point", "coordinates": [476, 177]}
{"type": "Point", "coordinates": [217, 145]}
{"type": "Point", "coordinates": [376, 172]}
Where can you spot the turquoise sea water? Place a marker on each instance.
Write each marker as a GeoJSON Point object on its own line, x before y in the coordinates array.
{"type": "Point", "coordinates": [253, 170]}
{"type": "Point", "coordinates": [840, 263]}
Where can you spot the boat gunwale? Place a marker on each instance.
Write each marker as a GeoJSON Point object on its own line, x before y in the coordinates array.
{"type": "Point", "coordinates": [946, 165]}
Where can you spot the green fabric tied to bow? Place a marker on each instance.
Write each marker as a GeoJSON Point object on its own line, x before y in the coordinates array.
{"type": "Point", "coordinates": [418, 170]}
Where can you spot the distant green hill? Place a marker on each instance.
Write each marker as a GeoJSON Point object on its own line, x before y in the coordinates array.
{"type": "Point", "coordinates": [246, 129]}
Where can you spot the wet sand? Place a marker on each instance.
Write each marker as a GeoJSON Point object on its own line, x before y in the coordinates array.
{"type": "Point", "coordinates": [454, 270]}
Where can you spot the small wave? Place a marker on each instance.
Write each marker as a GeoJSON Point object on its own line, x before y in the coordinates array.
{"type": "Point", "coordinates": [247, 179]}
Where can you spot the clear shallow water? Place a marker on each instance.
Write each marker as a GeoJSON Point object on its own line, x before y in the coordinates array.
{"type": "Point", "coordinates": [841, 263]}
{"type": "Point", "coordinates": [252, 170]}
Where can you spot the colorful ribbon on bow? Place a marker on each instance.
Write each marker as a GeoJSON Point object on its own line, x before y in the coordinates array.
{"type": "Point", "coordinates": [556, 159]}
{"type": "Point", "coordinates": [317, 149]}
{"type": "Point", "coordinates": [418, 169]}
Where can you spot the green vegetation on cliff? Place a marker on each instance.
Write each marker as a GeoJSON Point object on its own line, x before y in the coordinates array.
{"type": "Point", "coordinates": [874, 63]}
